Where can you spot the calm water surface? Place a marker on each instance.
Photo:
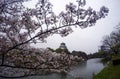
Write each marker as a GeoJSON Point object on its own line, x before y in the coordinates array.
{"type": "Point", "coordinates": [82, 71]}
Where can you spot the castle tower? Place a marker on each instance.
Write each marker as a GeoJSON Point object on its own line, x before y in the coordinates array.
{"type": "Point", "coordinates": [63, 46]}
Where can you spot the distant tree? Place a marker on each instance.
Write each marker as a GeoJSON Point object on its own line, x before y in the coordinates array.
{"type": "Point", "coordinates": [20, 26]}
{"type": "Point", "coordinates": [51, 49]}
{"type": "Point", "coordinates": [59, 50]}
{"type": "Point", "coordinates": [80, 54]}
{"type": "Point", "coordinates": [99, 54]}
{"type": "Point", "coordinates": [106, 43]}
{"type": "Point", "coordinates": [112, 42]}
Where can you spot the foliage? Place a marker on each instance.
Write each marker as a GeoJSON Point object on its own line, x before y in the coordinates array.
{"type": "Point", "coordinates": [20, 26]}
{"type": "Point", "coordinates": [104, 60]}
{"type": "Point", "coordinates": [111, 43]}
{"type": "Point", "coordinates": [52, 50]}
{"type": "Point", "coordinates": [116, 59]}
{"type": "Point", "coordinates": [80, 54]}
{"type": "Point", "coordinates": [59, 50]}
{"type": "Point", "coordinates": [98, 55]}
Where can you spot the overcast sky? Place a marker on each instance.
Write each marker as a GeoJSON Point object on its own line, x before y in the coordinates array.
{"type": "Point", "coordinates": [88, 39]}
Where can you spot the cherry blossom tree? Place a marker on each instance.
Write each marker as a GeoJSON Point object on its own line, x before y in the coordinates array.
{"type": "Point", "coordinates": [19, 26]}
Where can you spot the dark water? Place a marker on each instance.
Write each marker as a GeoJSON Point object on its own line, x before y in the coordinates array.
{"type": "Point", "coordinates": [87, 70]}
{"type": "Point", "coordinates": [82, 71]}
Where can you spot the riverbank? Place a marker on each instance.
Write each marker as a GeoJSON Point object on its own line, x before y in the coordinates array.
{"type": "Point", "coordinates": [109, 72]}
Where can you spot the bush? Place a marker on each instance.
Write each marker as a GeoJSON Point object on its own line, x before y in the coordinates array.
{"type": "Point", "coordinates": [116, 60]}
{"type": "Point", "coordinates": [59, 50]}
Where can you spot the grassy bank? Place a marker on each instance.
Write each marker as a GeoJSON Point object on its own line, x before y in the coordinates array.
{"type": "Point", "coordinates": [109, 72]}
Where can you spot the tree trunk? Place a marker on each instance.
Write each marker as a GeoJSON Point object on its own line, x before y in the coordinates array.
{"type": "Point", "coordinates": [3, 58]}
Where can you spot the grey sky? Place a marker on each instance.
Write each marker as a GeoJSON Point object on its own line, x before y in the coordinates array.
{"type": "Point", "coordinates": [87, 39]}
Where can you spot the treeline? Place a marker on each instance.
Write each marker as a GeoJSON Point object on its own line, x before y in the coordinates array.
{"type": "Point", "coordinates": [98, 55]}
{"type": "Point", "coordinates": [74, 53]}
{"type": "Point", "coordinates": [80, 54]}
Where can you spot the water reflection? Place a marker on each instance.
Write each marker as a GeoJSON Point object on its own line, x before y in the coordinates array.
{"type": "Point", "coordinates": [86, 71]}
{"type": "Point", "coordinates": [51, 76]}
